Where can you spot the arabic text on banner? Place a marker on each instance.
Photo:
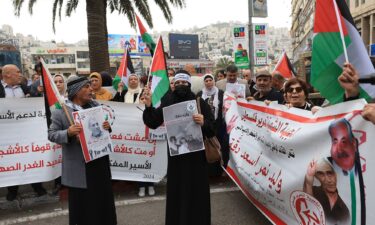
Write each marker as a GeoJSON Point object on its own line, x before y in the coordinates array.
{"type": "Point", "coordinates": [286, 163]}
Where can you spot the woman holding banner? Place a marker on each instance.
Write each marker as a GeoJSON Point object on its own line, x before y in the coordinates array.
{"type": "Point", "coordinates": [188, 193]}
{"type": "Point", "coordinates": [214, 98]}
{"type": "Point", "coordinates": [296, 94]}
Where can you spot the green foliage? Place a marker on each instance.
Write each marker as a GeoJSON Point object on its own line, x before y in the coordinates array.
{"type": "Point", "coordinates": [126, 7]}
{"type": "Point", "coordinates": [224, 63]}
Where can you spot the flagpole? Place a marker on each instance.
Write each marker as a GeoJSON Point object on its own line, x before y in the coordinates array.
{"type": "Point", "coordinates": [149, 74]}
{"type": "Point", "coordinates": [341, 31]}
{"type": "Point", "coordinates": [125, 63]}
{"type": "Point", "coordinates": [56, 91]}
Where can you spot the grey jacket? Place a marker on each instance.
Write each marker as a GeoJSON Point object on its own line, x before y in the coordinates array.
{"type": "Point", "coordinates": [222, 84]}
{"type": "Point", "coordinates": [73, 164]}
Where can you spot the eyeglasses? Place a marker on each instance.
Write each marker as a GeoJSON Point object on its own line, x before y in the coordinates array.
{"type": "Point", "coordinates": [297, 89]}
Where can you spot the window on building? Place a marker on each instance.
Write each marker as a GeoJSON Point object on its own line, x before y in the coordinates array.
{"type": "Point", "coordinates": [82, 54]}
{"type": "Point", "coordinates": [356, 3]}
{"type": "Point", "coordinates": [363, 1]}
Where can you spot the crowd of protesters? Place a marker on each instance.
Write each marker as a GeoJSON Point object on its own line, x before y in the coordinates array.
{"type": "Point", "coordinates": [188, 196]}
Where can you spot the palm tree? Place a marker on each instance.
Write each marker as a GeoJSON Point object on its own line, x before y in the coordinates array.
{"type": "Point", "coordinates": [96, 11]}
{"type": "Point", "coordinates": [223, 63]}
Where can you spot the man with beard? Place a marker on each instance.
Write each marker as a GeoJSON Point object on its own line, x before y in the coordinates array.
{"type": "Point", "coordinates": [94, 128]}
{"type": "Point", "coordinates": [265, 90]}
{"type": "Point", "coordinates": [188, 194]}
{"type": "Point", "coordinates": [232, 78]}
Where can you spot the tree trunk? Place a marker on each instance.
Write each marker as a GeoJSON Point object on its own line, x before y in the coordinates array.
{"type": "Point", "coordinates": [97, 35]}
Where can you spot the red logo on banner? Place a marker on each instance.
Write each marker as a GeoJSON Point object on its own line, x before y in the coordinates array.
{"type": "Point", "coordinates": [306, 209]}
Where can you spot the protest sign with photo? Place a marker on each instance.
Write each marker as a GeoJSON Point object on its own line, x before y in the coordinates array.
{"type": "Point", "coordinates": [135, 157]}
{"type": "Point", "coordinates": [183, 134]}
{"type": "Point", "coordinates": [26, 155]}
{"type": "Point", "coordinates": [300, 168]}
{"type": "Point", "coordinates": [238, 90]}
{"type": "Point", "coordinates": [95, 140]}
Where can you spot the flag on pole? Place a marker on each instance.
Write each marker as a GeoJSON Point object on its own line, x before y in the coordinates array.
{"type": "Point", "coordinates": [52, 96]}
{"type": "Point", "coordinates": [126, 68]}
{"type": "Point", "coordinates": [146, 37]}
{"type": "Point", "coordinates": [284, 67]}
{"type": "Point", "coordinates": [328, 54]}
{"type": "Point", "coordinates": [158, 70]}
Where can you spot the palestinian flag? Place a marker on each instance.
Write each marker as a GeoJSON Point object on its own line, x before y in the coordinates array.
{"type": "Point", "coordinates": [146, 37]}
{"type": "Point", "coordinates": [328, 55]}
{"type": "Point", "coordinates": [284, 67]}
{"type": "Point", "coordinates": [52, 97]}
{"type": "Point", "coordinates": [126, 68]}
{"type": "Point", "coordinates": [160, 81]}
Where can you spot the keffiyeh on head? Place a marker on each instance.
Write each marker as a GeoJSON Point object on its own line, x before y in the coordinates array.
{"type": "Point", "coordinates": [75, 84]}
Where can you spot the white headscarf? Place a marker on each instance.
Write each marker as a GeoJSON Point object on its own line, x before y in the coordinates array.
{"type": "Point", "coordinates": [208, 93]}
{"type": "Point", "coordinates": [129, 96]}
{"type": "Point", "coordinates": [64, 80]}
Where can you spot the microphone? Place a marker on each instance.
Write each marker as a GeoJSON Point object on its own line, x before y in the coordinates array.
{"type": "Point", "coordinates": [368, 80]}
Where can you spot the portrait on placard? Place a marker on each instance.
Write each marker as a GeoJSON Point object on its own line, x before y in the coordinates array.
{"type": "Point", "coordinates": [95, 140]}
{"type": "Point", "coordinates": [183, 134]}
{"type": "Point", "coordinates": [260, 8]}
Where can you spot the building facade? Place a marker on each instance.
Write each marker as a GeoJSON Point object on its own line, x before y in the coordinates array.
{"type": "Point", "coordinates": [64, 60]}
{"type": "Point", "coordinates": [302, 27]}
{"type": "Point", "coordinates": [363, 12]}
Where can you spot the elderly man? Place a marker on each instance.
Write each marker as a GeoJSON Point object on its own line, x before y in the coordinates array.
{"type": "Point", "coordinates": [11, 83]}
{"type": "Point", "coordinates": [264, 86]}
{"type": "Point", "coordinates": [232, 78]}
{"type": "Point", "coordinates": [335, 210]}
{"type": "Point", "coordinates": [11, 88]}
{"type": "Point", "coordinates": [89, 184]}
{"type": "Point", "coordinates": [246, 74]}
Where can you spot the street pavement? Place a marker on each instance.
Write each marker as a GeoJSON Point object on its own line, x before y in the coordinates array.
{"type": "Point", "coordinates": [228, 206]}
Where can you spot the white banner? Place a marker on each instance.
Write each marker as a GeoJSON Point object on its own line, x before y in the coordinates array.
{"type": "Point", "coordinates": [26, 155]}
{"type": "Point", "coordinates": [134, 156]}
{"type": "Point", "coordinates": [300, 168]}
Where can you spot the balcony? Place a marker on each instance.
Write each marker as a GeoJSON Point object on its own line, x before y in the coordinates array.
{"type": "Point", "coordinates": [62, 66]}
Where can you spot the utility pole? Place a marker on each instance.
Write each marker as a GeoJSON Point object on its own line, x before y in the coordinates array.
{"type": "Point", "coordinates": [251, 41]}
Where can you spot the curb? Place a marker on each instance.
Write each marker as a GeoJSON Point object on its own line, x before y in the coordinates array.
{"type": "Point", "coordinates": [117, 203]}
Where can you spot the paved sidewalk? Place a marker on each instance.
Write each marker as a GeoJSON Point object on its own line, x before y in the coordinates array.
{"type": "Point", "coordinates": [28, 207]}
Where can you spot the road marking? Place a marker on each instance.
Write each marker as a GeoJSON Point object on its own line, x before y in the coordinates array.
{"type": "Point", "coordinates": [65, 212]}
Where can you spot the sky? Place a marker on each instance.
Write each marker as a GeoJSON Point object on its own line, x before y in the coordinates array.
{"type": "Point", "coordinates": [197, 13]}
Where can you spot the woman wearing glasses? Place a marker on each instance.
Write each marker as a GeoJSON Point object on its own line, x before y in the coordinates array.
{"type": "Point", "coordinates": [296, 94]}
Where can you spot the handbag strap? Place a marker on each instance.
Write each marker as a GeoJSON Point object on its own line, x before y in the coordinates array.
{"type": "Point", "coordinates": [199, 104]}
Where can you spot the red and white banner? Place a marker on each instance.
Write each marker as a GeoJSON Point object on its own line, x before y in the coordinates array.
{"type": "Point", "coordinates": [134, 156]}
{"type": "Point", "coordinates": [300, 168]}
